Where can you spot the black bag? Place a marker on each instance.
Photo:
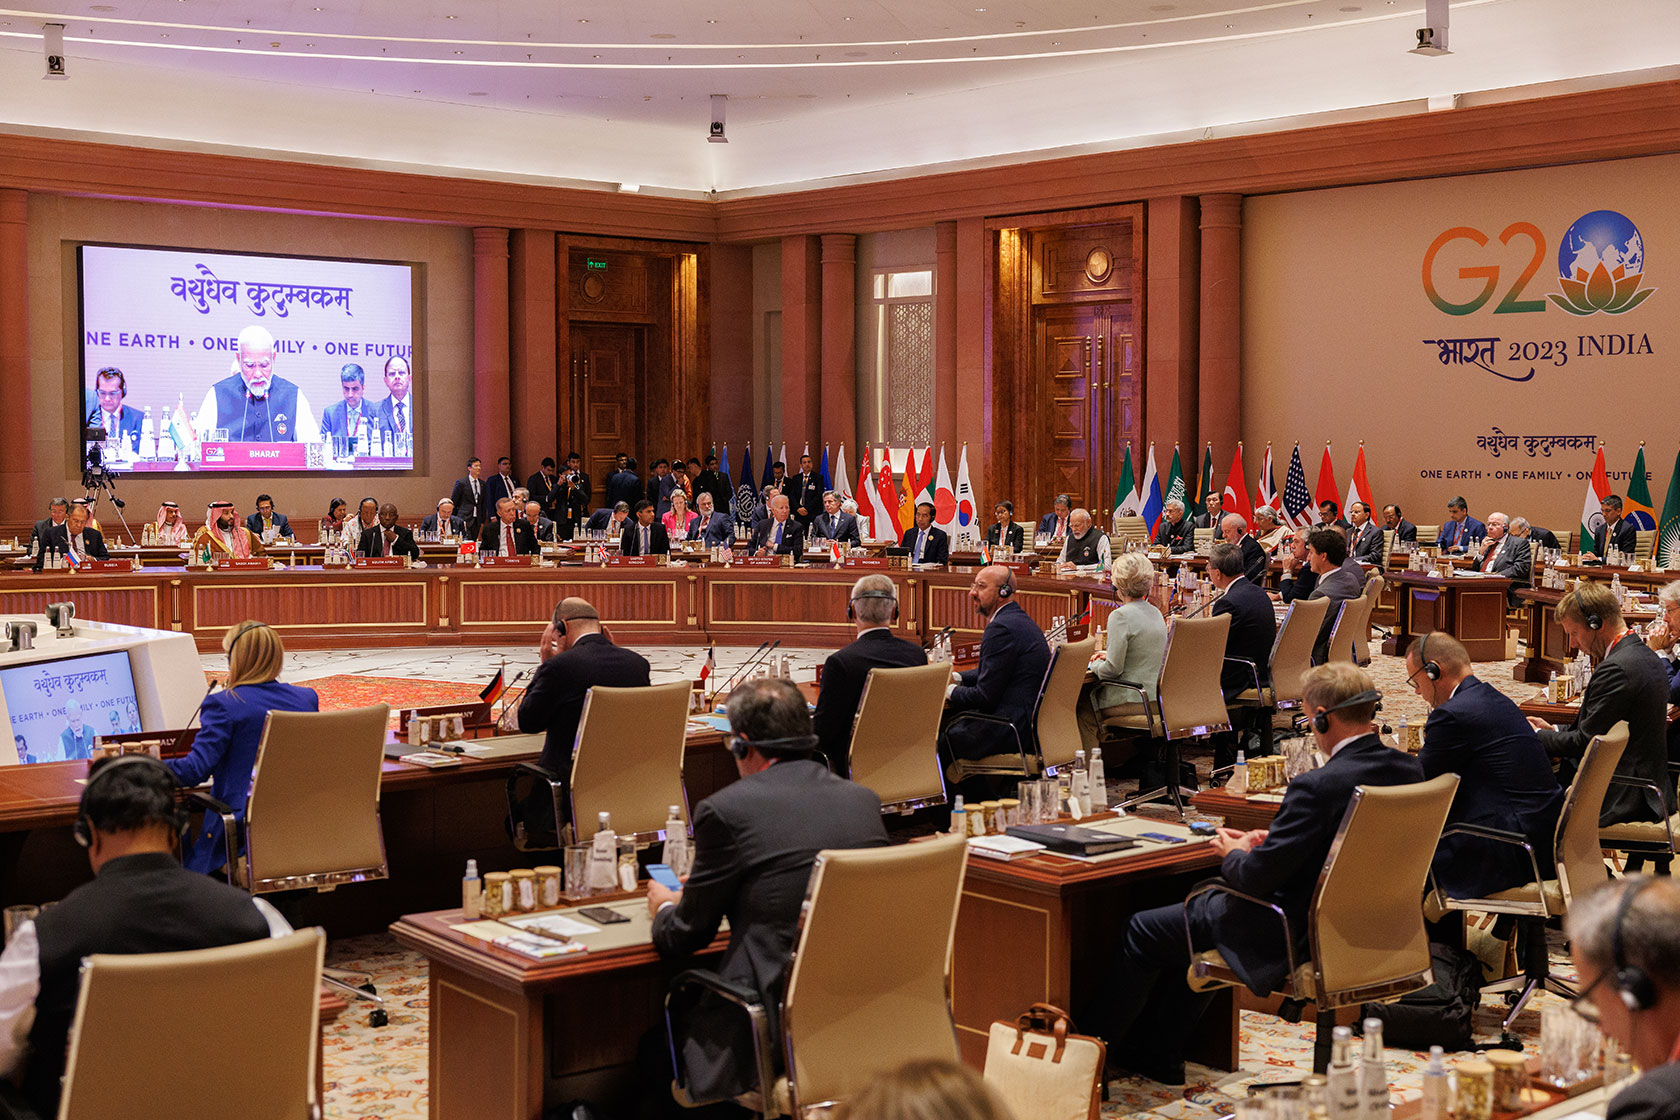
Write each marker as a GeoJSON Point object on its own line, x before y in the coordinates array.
{"type": "Point", "coordinates": [1439, 1015]}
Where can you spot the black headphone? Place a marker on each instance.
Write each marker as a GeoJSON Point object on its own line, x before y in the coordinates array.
{"type": "Point", "coordinates": [1431, 669]}
{"type": "Point", "coordinates": [1635, 987]}
{"type": "Point", "coordinates": [1321, 720]}
{"type": "Point", "coordinates": [788, 747]}
{"type": "Point", "coordinates": [1593, 621]}
{"type": "Point", "coordinates": [851, 615]}
{"type": "Point", "coordinates": [82, 830]}
{"type": "Point", "coordinates": [241, 632]}
{"type": "Point", "coordinates": [1008, 587]}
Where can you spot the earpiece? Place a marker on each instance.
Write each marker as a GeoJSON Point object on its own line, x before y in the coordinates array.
{"type": "Point", "coordinates": [1321, 720]}
{"type": "Point", "coordinates": [1006, 590]}
{"type": "Point", "coordinates": [1431, 669]}
{"type": "Point", "coordinates": [82, 830]}
{"type": "Point", "coordinates": [1593, 621]}
{"type": "Point", "coordinates": [851, 614]}
{"type": "Point", "coordinates": [241, 632]}
{"type": "Point", "coordinates": [791, 746]}
{"type": "Point", "coordinates": [1637, 991]}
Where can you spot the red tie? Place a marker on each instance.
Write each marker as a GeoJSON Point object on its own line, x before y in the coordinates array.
{"type": "Point", "coordinates": [507, 541]}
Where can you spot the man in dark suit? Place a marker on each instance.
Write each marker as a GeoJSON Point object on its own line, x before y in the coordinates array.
{"type": "Point", "coordinates": [352, 419]}
{"type": "Point", "coordinates": [396, 412]}
{"type": "Point", "coordinates": [1536, 536]}
{"type": "Point", "coordinates": [1404, 531]}
{"type": "Point", "coordinates": [444, 519]}
{"type": "Point", "coordinates": [927, 543]}
{"type": "Point", "coordinates": [645, 536]}
{"type": "Point", "coordinates": [1299, 579]}
{"type": "Point", "coordinates": [714, 482]}
{"type": "Point", "coordinates": [609, 521]}
{"type": "Point", "coordinates": [1365, 540]}
{"type": "Point", "coordinates": [576, 655]}
{"type": "Point", "coordinates": [1330, 517]}
{"type": "Point", "coordinates": [468, 497]}
{"type": "Point", "coordinates": [1014, 657]}
{"type": "Point", "coordinates": [805, 491]}
{"type": "Point", "coordinates": [574, 495]}
{"type": "Point", "coordinates": [1175, 533]}
{"type": "Point", "coordinates": [1210, 517]}
{"type": "Point", "coordinates": [141, 900]}
{"type": "Point", "coordinates": [754, 843]}
{"type": "Point", "coordinates": [874, 607]}
{"type": "Point", "coordinates": [76, 536]}
{"type": "Point", "coordinates": [120, 421]}
{"type": "Point", "coordinates": [624, 485]}
{"type": "Point", "coordinates": [778, 533]}
{"type": "Point", "coordinates": [1617, 531]}
{"type": "Point", "coordinates": [1628, 683]}
{"type": "Point", "coordinates": [1460, 528]}
{"type": "Point", "coordinates": [1339, 579]}
{"type": "Point", "coordinates": [1507, 555]}
{"type": "Point", "coordinates": [1146, 1011]}
{"type": "Point", "coordinates": [501, 484]}
{"type": "Point", "coordinates": [265, 519]}
{"type": "Point", "coordinates": [1253, 623]}
{"type": "Point", "coordinates": [659, 487]}
{"type": "Point", "coordinates": [715, 529]}
{"type": "Point", "coordinates": [1505, 780]}
{"type": "Point", "coordinates": [1055, 523]}
{"type": "Point", "coordinates": [388, 538]}
{"type": "Point", "coordinates": [58, 511]}
{"type": "Point", "coordinates": [833, 524]}
{"type": "Point", "coordinates": [1234, 530]}
{"type": "Point", "coordinates": [544, 489]}
{"type": "Point", "coordinates": [541, 526]}
{"type": "Point", "coordinates": [508, 526]}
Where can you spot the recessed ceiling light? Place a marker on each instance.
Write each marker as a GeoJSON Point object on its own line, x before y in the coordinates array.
{"type": "Point", "coordinates": [979, 9]}
{"type": "Point", "coordinates": [583, 21]}
{"type": "Point", "coordinates": [711, 21]}
{"type": "Point", "coordinates": [662, 35]}
{"type": "Point", "coordinates": [479, 93]}
{"type": "Point", "coordinates": [104, 7]}
{"type": "Point", "coordinates": [448, 17]}
{"type": "Point", "coordinates": [457, 52]}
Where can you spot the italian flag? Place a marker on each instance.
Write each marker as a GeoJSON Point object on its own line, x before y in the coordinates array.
{"type": "Point", "coordinates": [1598, 488]}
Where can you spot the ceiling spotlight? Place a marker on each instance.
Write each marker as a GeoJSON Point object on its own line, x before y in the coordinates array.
{"type": "Point", "coordinates": [629, 188]}
{"type": "Point", "coordinates": [716, 136]}
{"type": "Point", "coordinates": [52, 38]}
{"type": "Point", "coordinates": [1432, 40]}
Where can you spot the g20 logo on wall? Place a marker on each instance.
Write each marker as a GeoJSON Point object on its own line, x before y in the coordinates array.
{"type": "Point", "coordinates": [1600, 268]}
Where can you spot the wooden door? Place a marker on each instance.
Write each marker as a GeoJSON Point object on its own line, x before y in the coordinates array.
{"type": "Point", "coordinates": [1085, 362]}
{"type": "Point", "coordinates": [608, 374]}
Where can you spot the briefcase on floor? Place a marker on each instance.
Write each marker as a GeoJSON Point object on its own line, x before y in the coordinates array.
{"type": "Point", "coordinates": [1042, 1069]}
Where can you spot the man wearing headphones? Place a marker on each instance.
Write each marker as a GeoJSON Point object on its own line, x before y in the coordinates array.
{"type": "Point", "coordinates": [1013, 660]}
{"type": "Point", "coordinates": [874, 608]}
{"type": "Point", "coordinates": [1146, 1011]}
{"type": "Point", "coordinates": [755, 842]}
{"type": "Point", "coordinates": [141, 900]}
{"type": "Point", "coordinates": [1624, 939]}
{"type": "Point", "coordinates": [1505, 780]}
{"type": "Point", "coordinates": [1628, 683]}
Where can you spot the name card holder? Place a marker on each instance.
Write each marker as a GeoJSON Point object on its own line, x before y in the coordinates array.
{"type": "Point", "coordinates": [158, 744]}
{"type": "Point", "coordinates": [243, 564]}
{"type": "Point", "coordinates": [497, 560]}
{"type": "Point", "coordinates": [475, 714]}
{"type": "Point", "coordinates": [106, 566]}
{"type": "Point", "coordinates": [875, 563]}
{"type": "Point", "coordinates": [634, 561]}
{"type": "Point", "coordinates": [382, 562]}
{"type": "Point", "coordinates": [785, 560]}
{"type": "Point", "coordinates": [1078, 631]}
{"type": "Point", "coordinates": [1021, 569]}
{"type": "Point", "coordinates": [965, 654]}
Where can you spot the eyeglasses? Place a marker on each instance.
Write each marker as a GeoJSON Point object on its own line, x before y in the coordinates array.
{"type": "Point", "coordinates": [1584, 1006]}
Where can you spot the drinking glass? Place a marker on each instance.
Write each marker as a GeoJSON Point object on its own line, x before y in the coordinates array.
{"type": "Point", "coordinates": [1027, 793]}
{"type": "Point", "coordinates": [577, 870]}
{"type": "Point", "coordinates": [1253, 1108]}
{"type": "Point", "coordinates": [1050, 799]}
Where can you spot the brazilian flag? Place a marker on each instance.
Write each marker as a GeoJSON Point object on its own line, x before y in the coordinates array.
{"type": "Point", "coordinates": [1639, 505]}
{"type": "Point", "coordinates": [1668, 529]}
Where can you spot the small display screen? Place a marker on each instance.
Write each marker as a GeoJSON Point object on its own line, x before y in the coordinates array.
{"type": "Point", "coordinates": [58, 707]}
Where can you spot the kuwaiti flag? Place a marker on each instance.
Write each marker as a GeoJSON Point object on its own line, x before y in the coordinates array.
{"type": "Point", "coordinates": [1668, 529]}
{"type": "Point", "coordinates": [1592, 517]}
{"type": "Point", "coordinates": [967, 503]}
{"type": "Point", "coordinates": [842, 485]}
{"type": "Point", "coordinates": [1267, 494]}
{"type": "Point", "coordinates": [1298, 509]}
{"type": "Point", "coordinates": [1150, 488]}
{"type": "Point", "coordinates": [1326, 491]}
{"type": "Point", "coordinates": [1638, 504]}
{"type": "Point", "coordinates": [1236, 490]}
{"type": "Point", "coordinates": [1359, 490]}
{"type": "Point", "coordinates": [944, 499]}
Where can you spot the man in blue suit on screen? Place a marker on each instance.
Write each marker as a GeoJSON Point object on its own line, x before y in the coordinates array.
{"type": "Point", "coordinates": [120, 421]}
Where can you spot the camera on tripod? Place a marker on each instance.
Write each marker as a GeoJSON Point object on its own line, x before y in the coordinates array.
{"type": "Point", "coordinates": [96, 473]}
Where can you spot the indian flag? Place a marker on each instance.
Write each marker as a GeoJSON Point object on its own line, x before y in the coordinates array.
{"type": "Point", "coordinates": [1592, 517]}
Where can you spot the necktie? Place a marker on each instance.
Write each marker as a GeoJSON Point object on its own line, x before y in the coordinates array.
{"type": "Point", "coordinates": [390, 538]}
{"type": "Point", "coordinates": [402, 420]}
{"type": "Point", "coordinates": [776, 537]}
{"type": "Point", "coordinates": [475, 491]}
{"type": "Point", "coordinates": [644, 551]}
{"type": "Point", "coordinates": [355, 422]}
{"type": "Point", "coordinates": [1458, 532]}
{"type": "Point", "coordinates": [921, 538]}
{"type": "Point", "coordinates": [507, 541]}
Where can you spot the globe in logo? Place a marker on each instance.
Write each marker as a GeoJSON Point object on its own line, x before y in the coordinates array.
{"type": "Point", "coordinates": [1601, 262]}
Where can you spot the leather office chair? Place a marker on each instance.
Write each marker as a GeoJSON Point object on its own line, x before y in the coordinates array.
{"type": "Point", "coordinates": [1645, 544]}
{"type": "Point", "coordinates": [1366, 940]}
{"type": "Point", "coordinates": [1055, 721]}
{"type": "Point", "coordinates": [1352, 628]}
{"type": "Point", "coordinates": [1580, 869]}
{"type": "Point", "coordinates": [1188, 704]}
{"type": "Point", "coordinates": [868, 985]}
{"type": "Point", "coordinates": [257, 1063]}
{"type": "Point", "coordinates": [1203, 539]}
{"type": "Point", "coordinates": [1362, 632]}
{"type": "Point", "coordinates": [1428, 535]}
{"type": "Point", "coordinates": [1291, 657]}
{"type": "Point", "coordinates": [1387, 549]}
{"type": "Point", "coordinates": [1126, 530]}
{"type": "Point", "coordinates": [1645, 838]}
{"type": "Point", "coordinates": [627, 761]}
{"type": "Point", "coordinates": [895, 736]}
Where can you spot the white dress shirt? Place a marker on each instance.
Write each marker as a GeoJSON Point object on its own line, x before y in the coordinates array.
{"type": "Point", "coordinates": [306, 430]}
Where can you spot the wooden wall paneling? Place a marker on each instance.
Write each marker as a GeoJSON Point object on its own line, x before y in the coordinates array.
{"type": "Point", "coordinates": [730, 287]}
{"type": "Point", "coordinates": [690, 394]}
{"type": "Point", "coordinates": [17, 474]}
{"type": "Point", "coordinates": [801, 340]}
{"type": "Point", "coordinates": [140, 602]}
{"type": "Point", "coordinates": [973, 343]}
{"type": "Point", "coordinates": [533, 359]}
{"type": "Point", "coordinates": [1011, 437]}
{"type": "Point", "coordinates": [1219, 373]}
{"type": "Point", "coordinates": [490, 344]}
{"type": "Point", "coordinates": [1171, 370]}
{"type": "Point", "coordinates": [945, 337]}
{"type": "Point", "coordinates": [510, 601]}
{"type": "Point", "coordinates": [359, 604]}
{"type": "Point", "coordinates": [814, 606]}
{"type": "Point", "coordinates": [566, 419]}
{"type": "Point", "coordinates": [839, 345]}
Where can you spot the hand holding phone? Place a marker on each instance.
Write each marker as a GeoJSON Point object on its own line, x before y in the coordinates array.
{"type": "Point", "coordinates": [662, 874]}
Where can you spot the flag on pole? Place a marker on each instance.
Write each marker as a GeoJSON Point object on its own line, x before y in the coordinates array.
{"type": "Point", "coordinates": [769, 461]}
{"type": "Point", "coordinates": [724, 470]}
{"type": "Point", "coordinates": [1150, 489]}
{"type": "Point", "coordinates": [1592, 517]}
{"type": "Point", "coordinates": [1174, 489]}
{"type": "Point", "coordinates": [865, 497]}
{"type": "Point", "coordinates": [1126, 502]}
{"type": "Point", "coordinates": [1638, 505]}
{"type": "Point", "coordinates": [1326, 491]}
{"type": "Point", "coordinates": [945, 499]}
{"type": "Point", "coordinates": [1298, 509]}
{"type": "Point", "coordinates": [1236, 490]}
{"type": "Point", "coordinates": [886, 501]}
{"type": "Point", "coordinates": [968, 512]}
{"type": "Point", "coordinates": [1668, 529]}
{"type": "Point", "coordinates": [707, 666]}
{"type": "Point", "coordinates": [822, 471]}
{"type": "Point", "coordinates": [744, 493]}
{"type": "Point", "coordinates": [907, 504]}
{"type": "Point", "coordinates": [1267, 494]}
{"type": "Point", "coordinates": [1204, 484]}
{"type": "Point", "coordinates": [842, 486]}
{"type": "Point", "coordinates": [783, 456]}
{"type": "Point", "coordinates": [492, 692]}
{"type": "Point", "coordinates": [1359, 490]}
{"type": "Point", "coordinates": [924, 477]}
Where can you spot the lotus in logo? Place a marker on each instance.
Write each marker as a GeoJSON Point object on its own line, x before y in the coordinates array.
{"type": "Point", "coordinates": [1600, 264]}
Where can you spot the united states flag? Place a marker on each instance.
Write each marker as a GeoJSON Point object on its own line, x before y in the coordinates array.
{"type": "Point", "coordinates": [1297, 499]}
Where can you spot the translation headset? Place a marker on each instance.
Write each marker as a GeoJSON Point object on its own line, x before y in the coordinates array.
{"type": "Point", "coordinates": [241, 632]}
{"type": "Point", "coordinates": [851, 615]}
{"type": "Point", "coordinates": [1430, 669]}
{"type": "Point", "coordinates": [787, 747]}
{"type": "Point", "coordinates": [1321, 720]}
{"type": "Point", "coordinates": [1632, 983]}
{"type": "Point", "coordinates": [1592, 619]}
{"type": "Point", "coordinates": [82, 830]}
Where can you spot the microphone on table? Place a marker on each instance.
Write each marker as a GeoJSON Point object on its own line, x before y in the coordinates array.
{"type": "Point", "coordinates": [740, 669]}
{"type": "Point", "coordinates": [182, 737]}
{"type": "Point", "coordinates": [1212, 599]}
{"type": "Point", "coordinates": [941, 636]}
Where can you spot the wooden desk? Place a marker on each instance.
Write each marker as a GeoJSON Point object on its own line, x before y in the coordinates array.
{"type": "Point", "coordinates": [1546, 648]}
{"type": "Point", "coordinates": [1240, 812]}
{"type": "Point", "coordinates": [1471, 609]}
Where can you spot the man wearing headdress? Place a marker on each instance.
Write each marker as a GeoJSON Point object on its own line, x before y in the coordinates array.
{"type": "Point", "coordinates": [171, 528]}
{"type": "Point", "coordinates": [224, 534]}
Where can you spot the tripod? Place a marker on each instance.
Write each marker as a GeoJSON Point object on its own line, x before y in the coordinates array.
{"type": "Point", "coordinates": [97, 480]}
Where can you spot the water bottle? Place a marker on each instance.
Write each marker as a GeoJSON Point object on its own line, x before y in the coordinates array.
{"type": "Point", "coordinates": [603, 856]}
{"type": "Point", "coordinates": [1098, 782]}
{"type": "Point", "coordinates": [1434, 1087]}
{"type": "Point", "coordinates": [1343, 1077]}
{"type": "Point", "coordinates": [472, 892]}
{"type": "Point", "coordinates": [1079, 787]}
{"type": "Point", "coordinates": [1373, 1075]}
{"type": "Point", "coordinates": [959, 817]}
{"type": "Point", "coordinates": [676, 842]}
{"type": "Point", "coordinates": [1239, 776]}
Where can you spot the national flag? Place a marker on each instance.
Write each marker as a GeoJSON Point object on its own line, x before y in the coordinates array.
{"type": "Point", "coordinates": [1085, 619]}
{"type": "Point", "coordinates": [924, 477]}
{"type": "Point", "coordinates": [1638, 504]}
{"type": "Point", "coordinates": [1668, 529]}
{"type": "Point", "coordinates": [71, 558]}
{"type": "Point", "coordinates": [1174, 490]}
{"type": "Point", "coordinates": [968, 521]}
{"type": "Point", "coordinates": [1326, 491]}
{"type": "Point", "coordinates": [181, 429]}
{"type": "Point", "coordinates": [769, 462]}
{"type": "Point", "coordinates": [822, 471]}
{"type": "Point", "coordinates": [1592, 517]}
{"type": "Point", "coordinates": [745, 496]}
{"type": "Point", "coordinates": [1236, 490]}
{"type": "Point", "coordinates": [1150, 491]}
{"type": "Point", "coordinates": [1359, 490]}
{"type": "Point", "coordinates": [783, 456]}
{"type": "Point", "coordinates": [498, 685]}
{"type": "Point", "coordinates": [1204, 484]}
{"type": "Point", "coordinates": [907, 503]}
{"type": "Point", "coordinates": [985, 553]}
{"type": "Point", "coordinates": [944, 499]}
{"type": "Point", "coordinates": [1298, 509]}
{"type": "Point", "coordinates": [1126, 501]}
{"type": "Point", "coordinates": [835, 553]}
{"type": "Point", "coordinates": [842, 486]}
{"type": "Point", "coordinates": [1267, 494]}
{"type": "Point", "coordinates": [865, 497]}
{"type": "Point", "coordinates": [886, 501]}
{"type": "Point", "coordinates": [709, 664]}
{"type": "Point", "coordinates": [723, 469]}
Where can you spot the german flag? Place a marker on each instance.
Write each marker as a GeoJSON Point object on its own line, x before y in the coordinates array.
{"type": "Point", "coordinates": [498, 685]}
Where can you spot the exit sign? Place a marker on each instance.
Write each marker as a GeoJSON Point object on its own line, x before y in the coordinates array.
{"type": "Point", "coordinates": [594, 264]}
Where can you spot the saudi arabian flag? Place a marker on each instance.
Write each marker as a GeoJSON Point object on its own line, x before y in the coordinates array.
{"type": "Point", "coordinates": [1125, 494]}
{"type": "Point", "coordinates": [1668, 529]}
{"type": "Point", "coordinates": [1204, 487]}
{"type": "Point", "coordinates": [1639, 505]}
{"type": "Point", "coordinates": [1175, 484]}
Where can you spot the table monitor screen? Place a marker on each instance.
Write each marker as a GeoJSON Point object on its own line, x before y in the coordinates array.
{"type": "Point", "coordinates": [57, 707]}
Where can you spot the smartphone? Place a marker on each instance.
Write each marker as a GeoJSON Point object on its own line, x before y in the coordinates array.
{"type": "Point", "coordinates": [602, 915]}
{"type": "Point", "coordinates": [661, 874]}
{"type": "Point", "coordinates": [1202, 828]}
{"type": "Point", "coordinates": [1162, 837]}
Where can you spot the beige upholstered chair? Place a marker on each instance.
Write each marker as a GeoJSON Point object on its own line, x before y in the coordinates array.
{"type": "Point", "coordinates": [1127, 529]}
{"type": "Point", "coordinates": [868, 985]}
{"type": "Point", "coordinates": [895, 736]}
{"type": "Point", "coordinates": [1351, 632]}
{"type": "Point", "coordinates": [1365, 933]}
{"type": "Point", "coordinates": [1055, 721]}
{"type": "Point", "coordinates": [1566, 541]}
{"type": "Point", "coordinates": [1203, 539]}
{"type": "Point", "coordinates": [1428, 535]}
{"type": "Point", "coordinates": [1645, 545]}
{"type": "Point", "coordinates": [1643, 837]}
{"type": "Point", "coordinates": [1580, 868]}
{"type": "Point", "coordinates": [1188, 704]}
{"type": "Point", "coordinates": [1291, 658]}
{"type": "Point", "coordinates": [257, 1063]}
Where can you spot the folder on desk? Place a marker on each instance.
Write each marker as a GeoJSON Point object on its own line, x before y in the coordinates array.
{"type": "Point", "coordinates": [1072, 839]}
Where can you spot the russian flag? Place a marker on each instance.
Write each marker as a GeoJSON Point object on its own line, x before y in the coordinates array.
{"type": "Point", "coordinates": [1150, 488]}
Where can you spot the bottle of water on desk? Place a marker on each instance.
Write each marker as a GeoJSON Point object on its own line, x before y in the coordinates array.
{"type": "Point", "coordinates": [1097, 781]}
{"type": "Point", "coordinates": [676, 842]}
{"type": "Point", "coordinates": [603, 856]}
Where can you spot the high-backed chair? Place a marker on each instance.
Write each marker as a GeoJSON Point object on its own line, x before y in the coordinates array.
{"type": "Point", "coordinates": [1580, 869]}
{"type": "Point", "coordinates": [1428, 535]}
{"type": "Point", "coordinates": [1351, 632]}
{"type": "Point", "coordinates": [1055, 721]}
{"type": "Point", "coordinates": [1128, 529]}
{"type": "Point", "coordinates": [1365, 932]}
{"type": "Point", "coordinates": [1645, 544]}
{"type": "Point", "coordinates": [1387, 549]}
{"type": "Point", "coordinates": [627, 760]}
{"type": "Point", "coordinates": [868, 985]}
{"type": "Point", "coordinates": [1291, 657]}
{"type": "Point", "coordinates": [895, 736]}
{"type": "Point", "coordinates": [1644, 838]}
{"type": "Point", "coordinates": [1362, 632]}
{"type": "Point", "coordinates": [262, 1048]}
{"type": "Point", "coordinates": [1188, 704]}
{"type": "Point", "coordinates": [1203, 539]}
